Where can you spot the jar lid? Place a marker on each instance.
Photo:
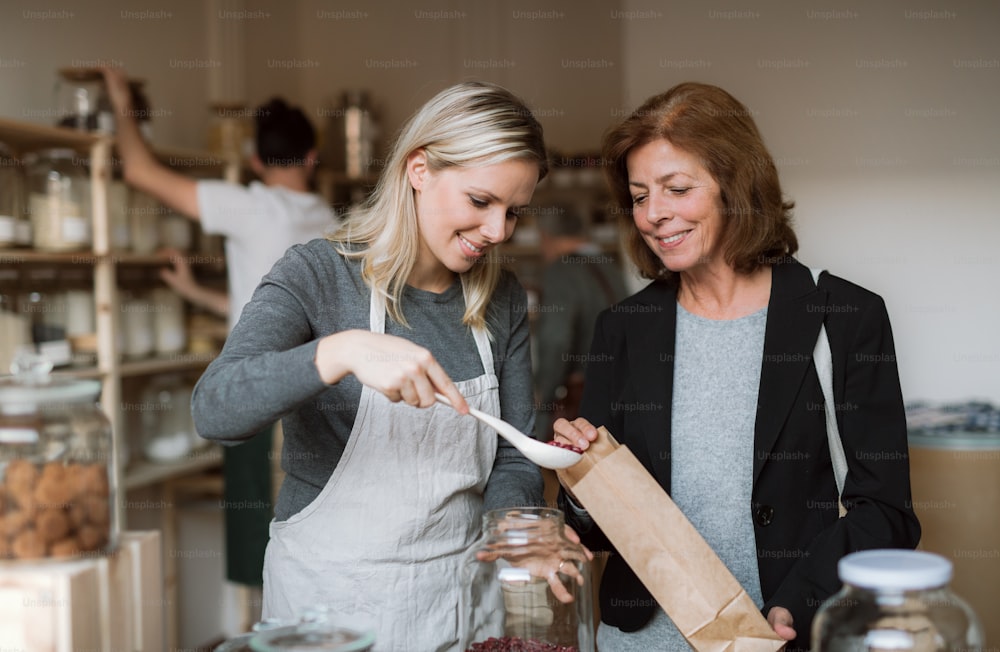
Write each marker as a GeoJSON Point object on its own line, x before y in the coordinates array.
{"type": "Point", "coordinates": [312, 637]}
{"type": "Point", "coordinates": [31, 385]}
{"type": "Point", "coordinates": [902, 570]}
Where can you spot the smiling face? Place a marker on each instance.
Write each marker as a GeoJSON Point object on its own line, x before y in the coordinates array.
{"type": "Point", "coordinates": [464, 211]}
{"type": "Point", "coordinates": [676, 206]}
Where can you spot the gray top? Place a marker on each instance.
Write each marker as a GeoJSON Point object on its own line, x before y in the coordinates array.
{"type": "Point", "coordinates": [716, 380]}
{"type": "Point", "coordinates": [266, 370]}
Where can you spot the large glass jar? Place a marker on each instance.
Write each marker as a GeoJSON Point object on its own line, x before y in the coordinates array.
{"type": "Point", "coordinates": [57, 474]}
{"type": "Point", "coordinates": [12, 217]}
{"type": "Point", "coordinates": [59, 200]}
{"type": "Point", "coordinates": [525, 586]}
{"type": "Point", "coordinates": [895, 600]}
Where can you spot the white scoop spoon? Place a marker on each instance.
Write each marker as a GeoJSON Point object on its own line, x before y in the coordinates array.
{"type": "Point", "coordinates": [544, 455]}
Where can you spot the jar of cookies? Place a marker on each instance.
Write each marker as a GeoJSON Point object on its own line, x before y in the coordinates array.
{"type": "Point", "coordinates": [57, 466]}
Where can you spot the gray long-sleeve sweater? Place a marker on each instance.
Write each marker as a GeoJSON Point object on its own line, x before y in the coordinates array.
{"type": "Point", "coordinates": [266, 370]}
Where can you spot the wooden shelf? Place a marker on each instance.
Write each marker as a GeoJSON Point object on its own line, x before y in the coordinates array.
{"type": "Point", "coordinates": [28, 136]}
{"type": "Point", "coordinates": [144, 474]}
{"type": "Point", "coordinates": [23, 256]}
{"type": "Point", "coordinates": [166, 364]}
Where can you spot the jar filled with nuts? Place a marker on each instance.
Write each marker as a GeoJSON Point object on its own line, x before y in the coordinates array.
{"type": "Point", "coordinates": [57, 466]}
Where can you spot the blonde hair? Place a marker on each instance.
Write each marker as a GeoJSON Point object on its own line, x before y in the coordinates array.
{"type": "Point", "coordinates": [469, 124]}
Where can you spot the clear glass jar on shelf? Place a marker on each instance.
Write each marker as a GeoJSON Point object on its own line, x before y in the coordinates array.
{"type": "Point", "coordinates": [15, 326]}
{"type": "Point", "coordinates": [231, 132]}
{"type": "Point", "coordinates": [58, 484]}
{"type": "Point", "coordinates": [59, 200]}
{"type": "Point", "coordinates": [82, 101]}
{"type": "Point", "coordinates": [169, 322]}
{"type": "Point", "coordinates": [167, 427]}
{"type": "Point", "coordinates": [144, 213]}
{"type": "Point", "coordinates": [43, 301]}
{"type": "Point", "coordinates": [118, 215]}
{"type": "Point", "coordinates": [13, 221]}
{"type": "Point", "coordinates": [525, 586]}
{"type": "Point", "coordinates": [895, 600]}
{"type": "Point", "coordinates": [175, 231]}
{"type": "Point", "coordinates": [137, 334]}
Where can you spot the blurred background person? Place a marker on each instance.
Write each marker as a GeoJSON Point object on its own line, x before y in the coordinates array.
{"type": "Point", "coordinates": [579, 280]}
{"type": "Point", "coordinates": [260, 222]}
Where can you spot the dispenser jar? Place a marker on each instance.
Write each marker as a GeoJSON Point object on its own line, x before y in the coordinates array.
{"type": "Point", "coordinates": [525, 586]}
{"type": "Point", "coordinates": [57, 474]}
{"type": "Point", "coordinates": [895, 600]}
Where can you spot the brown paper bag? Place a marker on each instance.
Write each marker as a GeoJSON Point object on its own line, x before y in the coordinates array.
{"type": "Point", "coordinates": [687, 578]}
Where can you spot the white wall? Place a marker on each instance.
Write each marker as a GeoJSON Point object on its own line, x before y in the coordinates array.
{"type": "Point", "coordinates": [561, 56]}
{"type": "Point", "coordinates": [883, 119]}
{"type": "Point", "coordinates": [165, 44]}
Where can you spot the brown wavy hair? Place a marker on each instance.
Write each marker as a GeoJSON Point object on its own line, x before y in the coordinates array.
{"type": "Point", "coordinates": [711, 124]}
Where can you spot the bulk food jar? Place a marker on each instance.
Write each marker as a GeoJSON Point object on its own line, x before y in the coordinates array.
{"type": "Point", "coordinates": [13, 226]}
{"type": "Point", "coordinates": [59, 200]}
{"type": "Point", "coordinates": [57, 480]}
{"type": "Point", "coordinates": [525, 586]}
{"type": "Point", "coordinates": [895, 600]}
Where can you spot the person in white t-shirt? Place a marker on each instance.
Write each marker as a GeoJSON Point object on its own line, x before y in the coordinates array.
{"type": "Point", "coordinates": [259, 222]}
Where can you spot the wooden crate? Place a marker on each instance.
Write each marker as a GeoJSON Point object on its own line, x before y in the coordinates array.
{"type": "Point", "coordinates": [105, 604]}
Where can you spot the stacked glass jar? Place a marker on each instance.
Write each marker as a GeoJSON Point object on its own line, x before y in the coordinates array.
{"type": "Point", "coordinates": [57, 467]}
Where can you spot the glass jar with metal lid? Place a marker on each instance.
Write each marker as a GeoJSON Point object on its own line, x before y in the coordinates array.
{"type": "Point", "coordinates": [58, 485]}
{"type": "Point", "coordinates": [895, 600]}
{"type": "Point", "coordinates": [59, 200]}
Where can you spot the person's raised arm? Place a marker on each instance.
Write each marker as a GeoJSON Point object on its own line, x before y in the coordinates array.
{"type": "Point", "coordinates": [141, 168]}
{"type": "Point", "coordinates": [181, 279]}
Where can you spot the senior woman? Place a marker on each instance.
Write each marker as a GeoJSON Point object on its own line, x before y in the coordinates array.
{"type": "Point", "coordinates": [707, 375]}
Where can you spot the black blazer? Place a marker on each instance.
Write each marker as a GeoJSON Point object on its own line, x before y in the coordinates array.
{"type": "Point", "coordinates": [799, 537]}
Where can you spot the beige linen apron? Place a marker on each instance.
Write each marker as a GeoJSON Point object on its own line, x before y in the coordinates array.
{"type": "Point", "coordinates": [384, 538]}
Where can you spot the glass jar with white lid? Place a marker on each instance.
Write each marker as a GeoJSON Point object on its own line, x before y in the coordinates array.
{"type": "Point", "coordinates": [895, 600]}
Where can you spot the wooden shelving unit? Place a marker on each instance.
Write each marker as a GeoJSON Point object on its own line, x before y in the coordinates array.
{"type": "Point", "coordinates": [105, 262]}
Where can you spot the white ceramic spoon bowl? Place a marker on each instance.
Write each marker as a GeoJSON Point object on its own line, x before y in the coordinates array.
{"type": "Point", "coordinates": [544, 455]}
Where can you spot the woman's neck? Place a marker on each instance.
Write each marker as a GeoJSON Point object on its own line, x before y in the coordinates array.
{"type": "Point", "coordinates": [431, 277]}
{"type": "Point", "coordinates": [724, 293]}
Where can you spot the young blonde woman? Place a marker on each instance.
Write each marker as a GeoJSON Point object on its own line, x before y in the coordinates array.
{"type": "Point", "coordinates": [347, 340]}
